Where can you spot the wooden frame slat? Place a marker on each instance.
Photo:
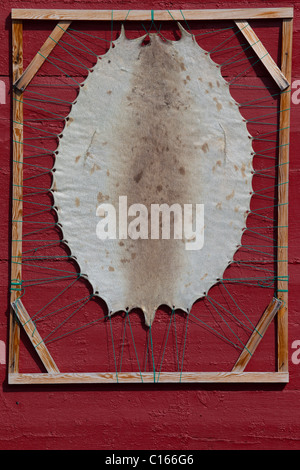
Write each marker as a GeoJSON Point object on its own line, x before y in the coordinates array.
{"type": "Point", "coordinates": [147, 377]}
{"type": "Point", "coordinates": [34, 336]}
{"type": "Point", "coordinates": [21, 81]}
{"type": "Point", "coordinates": [41, 55]}
{"type": "Point", "coordinates": [283, 199]}
{"type": "Point", "coordinates": [17, 193]}
{"type": "Point", "coordinates": [257, 335]}
{"type": "Point", "coordinates": [160, 15]}
{"type": "Point", "coordinates": [262, 54]}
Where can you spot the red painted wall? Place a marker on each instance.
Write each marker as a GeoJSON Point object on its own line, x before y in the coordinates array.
{"type": "Point", "coordinates": [155, 417]}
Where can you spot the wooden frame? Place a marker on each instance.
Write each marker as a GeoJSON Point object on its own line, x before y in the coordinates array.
{"type": "Point", "coordinates": [144, 15]}
{"type": "Point", "coordinates": [277, 307]}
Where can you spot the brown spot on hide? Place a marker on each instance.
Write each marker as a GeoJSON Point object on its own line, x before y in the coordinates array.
{"type": "Point", "coordinates": [101, 198]}
{"type": "Point", "coordinates": [205, 147]}
{"type": "Point", "coordinates": [230, 196]}
{"type": "Point", "coordinates": [138, 176]}
{"type": "Point", "coordinates": [95, 167]}
{"type": "Point", "coordinates": [218, 104]}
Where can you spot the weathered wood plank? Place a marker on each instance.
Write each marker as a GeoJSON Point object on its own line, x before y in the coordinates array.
{"type": "Point", "coordinates": [17, 193]}
{"type": "Point", "coordinates": [283, 178]}
{"type": "Point", "coordinates": [147, 377]}
{"type": "Point", "coordinates": [41, 55]}
{"type": "Point", "coordinates": [144, 15]}
{"type": "Point", "coordinates": [257, 335]}
{"type": "Point", "coordinates": [34, 336]}
{"type": "Point", "coordinates": [262, 54]}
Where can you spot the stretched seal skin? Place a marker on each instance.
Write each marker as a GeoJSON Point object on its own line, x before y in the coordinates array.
{"type": "Point", "coordinates": [156, 123]}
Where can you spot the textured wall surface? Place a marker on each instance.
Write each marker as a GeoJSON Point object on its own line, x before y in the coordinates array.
{"type": "Point", "coordinates": [152, 416]}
